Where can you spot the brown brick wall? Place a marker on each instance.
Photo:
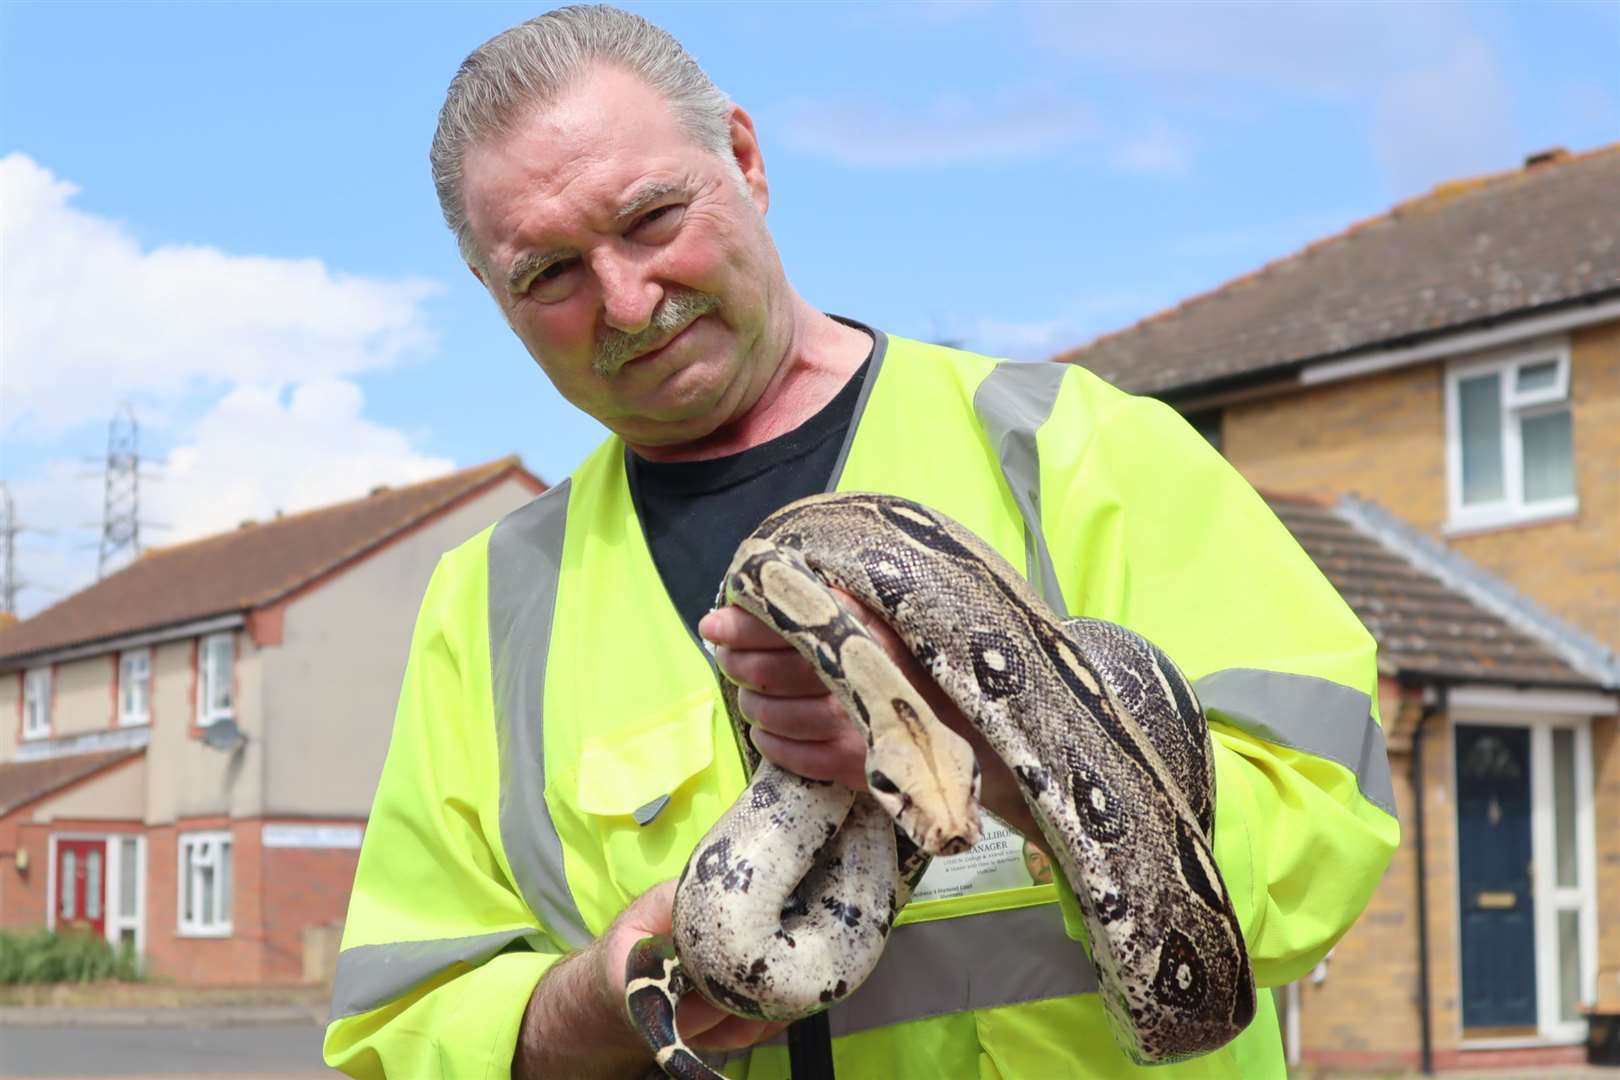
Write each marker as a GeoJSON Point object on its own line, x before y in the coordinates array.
{"type": "Point", "coordinates": [200, 960]}
{"type": "Point", "coordinates": [1382, 436]}
{"type": "Point", "coordinates": [302, 888]}
{"type": "Point", "coordinates": [22, 895]}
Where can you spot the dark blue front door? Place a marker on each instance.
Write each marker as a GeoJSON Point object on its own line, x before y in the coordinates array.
{"type": "Point", "coordinates": [1493, 863]}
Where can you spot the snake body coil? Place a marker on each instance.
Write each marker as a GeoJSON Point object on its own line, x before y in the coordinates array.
{"type": "Point", "coordinates": [785, 905]}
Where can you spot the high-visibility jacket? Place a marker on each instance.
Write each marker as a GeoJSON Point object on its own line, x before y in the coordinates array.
{"type": "Point", "coordinates": [561, 742]}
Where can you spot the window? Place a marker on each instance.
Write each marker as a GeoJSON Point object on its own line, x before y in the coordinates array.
{"type": "Point", "coordinates": [37, 703]}
{"type": "Point", "coordinates": [205, 884]}
{"type": "Point", "coordinates": [215, 658]}
{"type": "Point", "coordinates": [1509, 438]}
{"type": "Point", "coordinates": [135, 687]}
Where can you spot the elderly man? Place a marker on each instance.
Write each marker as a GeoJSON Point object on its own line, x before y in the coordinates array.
{"type": "Point", "coordinates": [562, 741]}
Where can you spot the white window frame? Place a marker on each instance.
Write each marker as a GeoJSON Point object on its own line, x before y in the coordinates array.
{"type": "Point", "coordinates": [143, 715]}
{"type": "Point", "coordinates": [1548, 897]}
{"type": "Point", "coordinates": [1511, 509]}
{"type": "Point", "coordinates": [37, 703]}
{"type": "Point", "coordinates": [197, 850]}
{"type": "Point", "coordinates": [206, 713]}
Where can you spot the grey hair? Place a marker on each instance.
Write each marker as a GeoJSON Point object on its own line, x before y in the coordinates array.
{"type": "Point", "coordinates": [533, 63]}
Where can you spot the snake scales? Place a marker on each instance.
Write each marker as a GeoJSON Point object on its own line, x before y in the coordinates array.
{"type": "Point", "coordinates": [785, 905]}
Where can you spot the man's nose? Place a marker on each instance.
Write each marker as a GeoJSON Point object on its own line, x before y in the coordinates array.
{"type": "Point", "coordinates": [629, 296]}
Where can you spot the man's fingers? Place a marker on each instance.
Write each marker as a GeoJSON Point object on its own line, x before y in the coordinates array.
{"type": "Point", "coordinates": [838, 761]}
{"type": "Point", "coordinates": [773, 672]}
{"type": "Point", "coordinates": [806, 719]}
{"type": "Point", "coordinates": [734, 627]}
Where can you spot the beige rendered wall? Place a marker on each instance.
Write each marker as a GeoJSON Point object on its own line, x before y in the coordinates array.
{"type": "Point", "coordinates": [10, 714]}
{"type": "Point", "coordinates": [117, 794]}
{"type": "Point", "coordinates": [188, 778]}
{"type": "Point", "coordinates": [1383, 436]}
{"type": "Point", "coordinates": [331, 687]}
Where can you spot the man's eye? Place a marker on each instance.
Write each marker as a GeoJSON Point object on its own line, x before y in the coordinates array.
{"type": "Point", "coordinates": [555, 270]}
{"type": "Point", "coordinates": [662, 217]}
{"type": "Point", "coordinates": [554, 282]}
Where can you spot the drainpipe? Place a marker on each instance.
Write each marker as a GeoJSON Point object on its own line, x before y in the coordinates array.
{"type": "Point", "coordinates": [1429, 709]}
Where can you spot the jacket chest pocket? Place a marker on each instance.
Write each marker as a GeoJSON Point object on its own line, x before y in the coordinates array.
{"type": "Point", "coordinates": [637, 802]}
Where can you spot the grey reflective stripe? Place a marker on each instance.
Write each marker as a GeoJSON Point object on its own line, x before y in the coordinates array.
{"type": "Point", "coordinates": [1012, 402]}
{"type": "Point", "coordinates": [525, 562]}
{"type": "Point", "coordinates": [370, 976]}
{"type": "Point", "coordinates": [969, 962]}
{"type": "Point", "coordinates": [1303, 712]}
{"type": "Point", "coordinates": [880, 348]}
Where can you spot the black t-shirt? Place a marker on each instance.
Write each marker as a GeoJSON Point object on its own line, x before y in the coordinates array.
{"type": "Point", "coordinates": [695, 513]}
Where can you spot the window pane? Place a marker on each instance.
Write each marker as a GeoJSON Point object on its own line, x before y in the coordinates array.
{"type": "Point", "coordinates": [1479, 407]}
{"type": "Point", "coordinates": [1564, 805]}
{"type": "Point", "coordinates": [224, 881]}
{"type": "Point", "coordinates": [92, 886]}
{"type": "Point", "coordinates": [127, 873]}
{"type": "Point", "coordinates": [1538, 376]}
{"type": "Point", "coordinates": [188, 875]}
{"type": "Point", "coordinates": [1549, 456]}
{"type": "Point", "coordinates": [70, 884]}
{"type": "Point", "coordinates": [205, 893]}
{"type": "Point", "coordinates": [1569, 965]}
{"type": "Point", "coordinates": [219, 670]}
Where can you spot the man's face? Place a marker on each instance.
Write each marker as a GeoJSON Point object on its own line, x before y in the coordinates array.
{"type": "Point", "coordinates": [631, 262]}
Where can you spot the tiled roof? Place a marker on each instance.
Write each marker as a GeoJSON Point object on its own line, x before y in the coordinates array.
{"type": "Point", "coordinates": [249, 567]}
{"type": "Point", "coordinates": [21, 782]}
{"type": "Point", "coordinates": [1468, 252]}
{"type": "Point", "coordinates": [1424, 627]}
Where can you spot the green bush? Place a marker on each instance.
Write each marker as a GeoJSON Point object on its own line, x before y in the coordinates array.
{"type": "Point", "coordinates": [46, 957]}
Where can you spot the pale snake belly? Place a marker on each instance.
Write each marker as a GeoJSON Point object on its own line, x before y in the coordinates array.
{"type": "Point", "coordinates": [785, 905]}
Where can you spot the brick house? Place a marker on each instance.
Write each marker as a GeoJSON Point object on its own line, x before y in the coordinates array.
{"type": "Point", "coordinates": [1436, 393]}
{"type": "Point", "coordinates": [198, 736]}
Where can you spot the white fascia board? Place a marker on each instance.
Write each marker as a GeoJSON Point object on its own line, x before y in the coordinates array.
{"type": "Point", "coordinates": [1545, 700]}
{"type": "Point", "coordinates": [1508, 333]}
{"type": "Point", "coordinates": [177, 632]}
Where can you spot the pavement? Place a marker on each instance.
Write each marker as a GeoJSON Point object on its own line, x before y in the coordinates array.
{"type": "Point", "coordinates": [241, 1042]}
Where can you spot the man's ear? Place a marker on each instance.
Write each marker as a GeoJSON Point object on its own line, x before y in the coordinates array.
{"type": "Point", "coordinates": [479, 274]}
{"type": "Point", "coordinates": [750, 159]}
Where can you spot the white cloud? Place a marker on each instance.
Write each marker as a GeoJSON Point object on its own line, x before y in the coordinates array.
{"type": "Point", "coordinates": [247, 363]}
{"type": "Point", "coordinates": [1445, 121]}
{"type": "Point", "coordinates": [262, 449]}
{"type": "Point", "coordinates": [90, 317]}
{"type": "Point", "coordinates": [952, 128]}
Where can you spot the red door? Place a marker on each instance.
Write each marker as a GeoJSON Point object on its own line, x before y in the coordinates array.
{"type": "Point", "coordinates": [81, 886]}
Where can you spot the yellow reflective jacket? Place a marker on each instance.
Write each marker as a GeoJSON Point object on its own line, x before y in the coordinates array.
{"type": "Point", "coordinates": [561, 743]}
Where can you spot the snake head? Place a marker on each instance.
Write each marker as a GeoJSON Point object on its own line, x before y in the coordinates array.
{"type": "Point", "coordinates": [940, 825]}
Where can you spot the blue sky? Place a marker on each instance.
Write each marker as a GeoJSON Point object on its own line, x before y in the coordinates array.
{"type": "Point", "coordinates": [222, 212]}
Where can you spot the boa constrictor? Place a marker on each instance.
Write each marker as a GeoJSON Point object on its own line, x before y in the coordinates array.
{"type": "Point", "coordinates": [785, 905]}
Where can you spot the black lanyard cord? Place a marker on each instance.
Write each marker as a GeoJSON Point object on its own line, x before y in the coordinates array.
{"type": "Point", "coordinates": [810, 1048]}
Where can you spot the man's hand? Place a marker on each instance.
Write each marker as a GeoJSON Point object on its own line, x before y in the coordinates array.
{"type": "Point", "coordinates": [576, 1023]}
{"type": "Point", "coordinates": [799, 725]}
